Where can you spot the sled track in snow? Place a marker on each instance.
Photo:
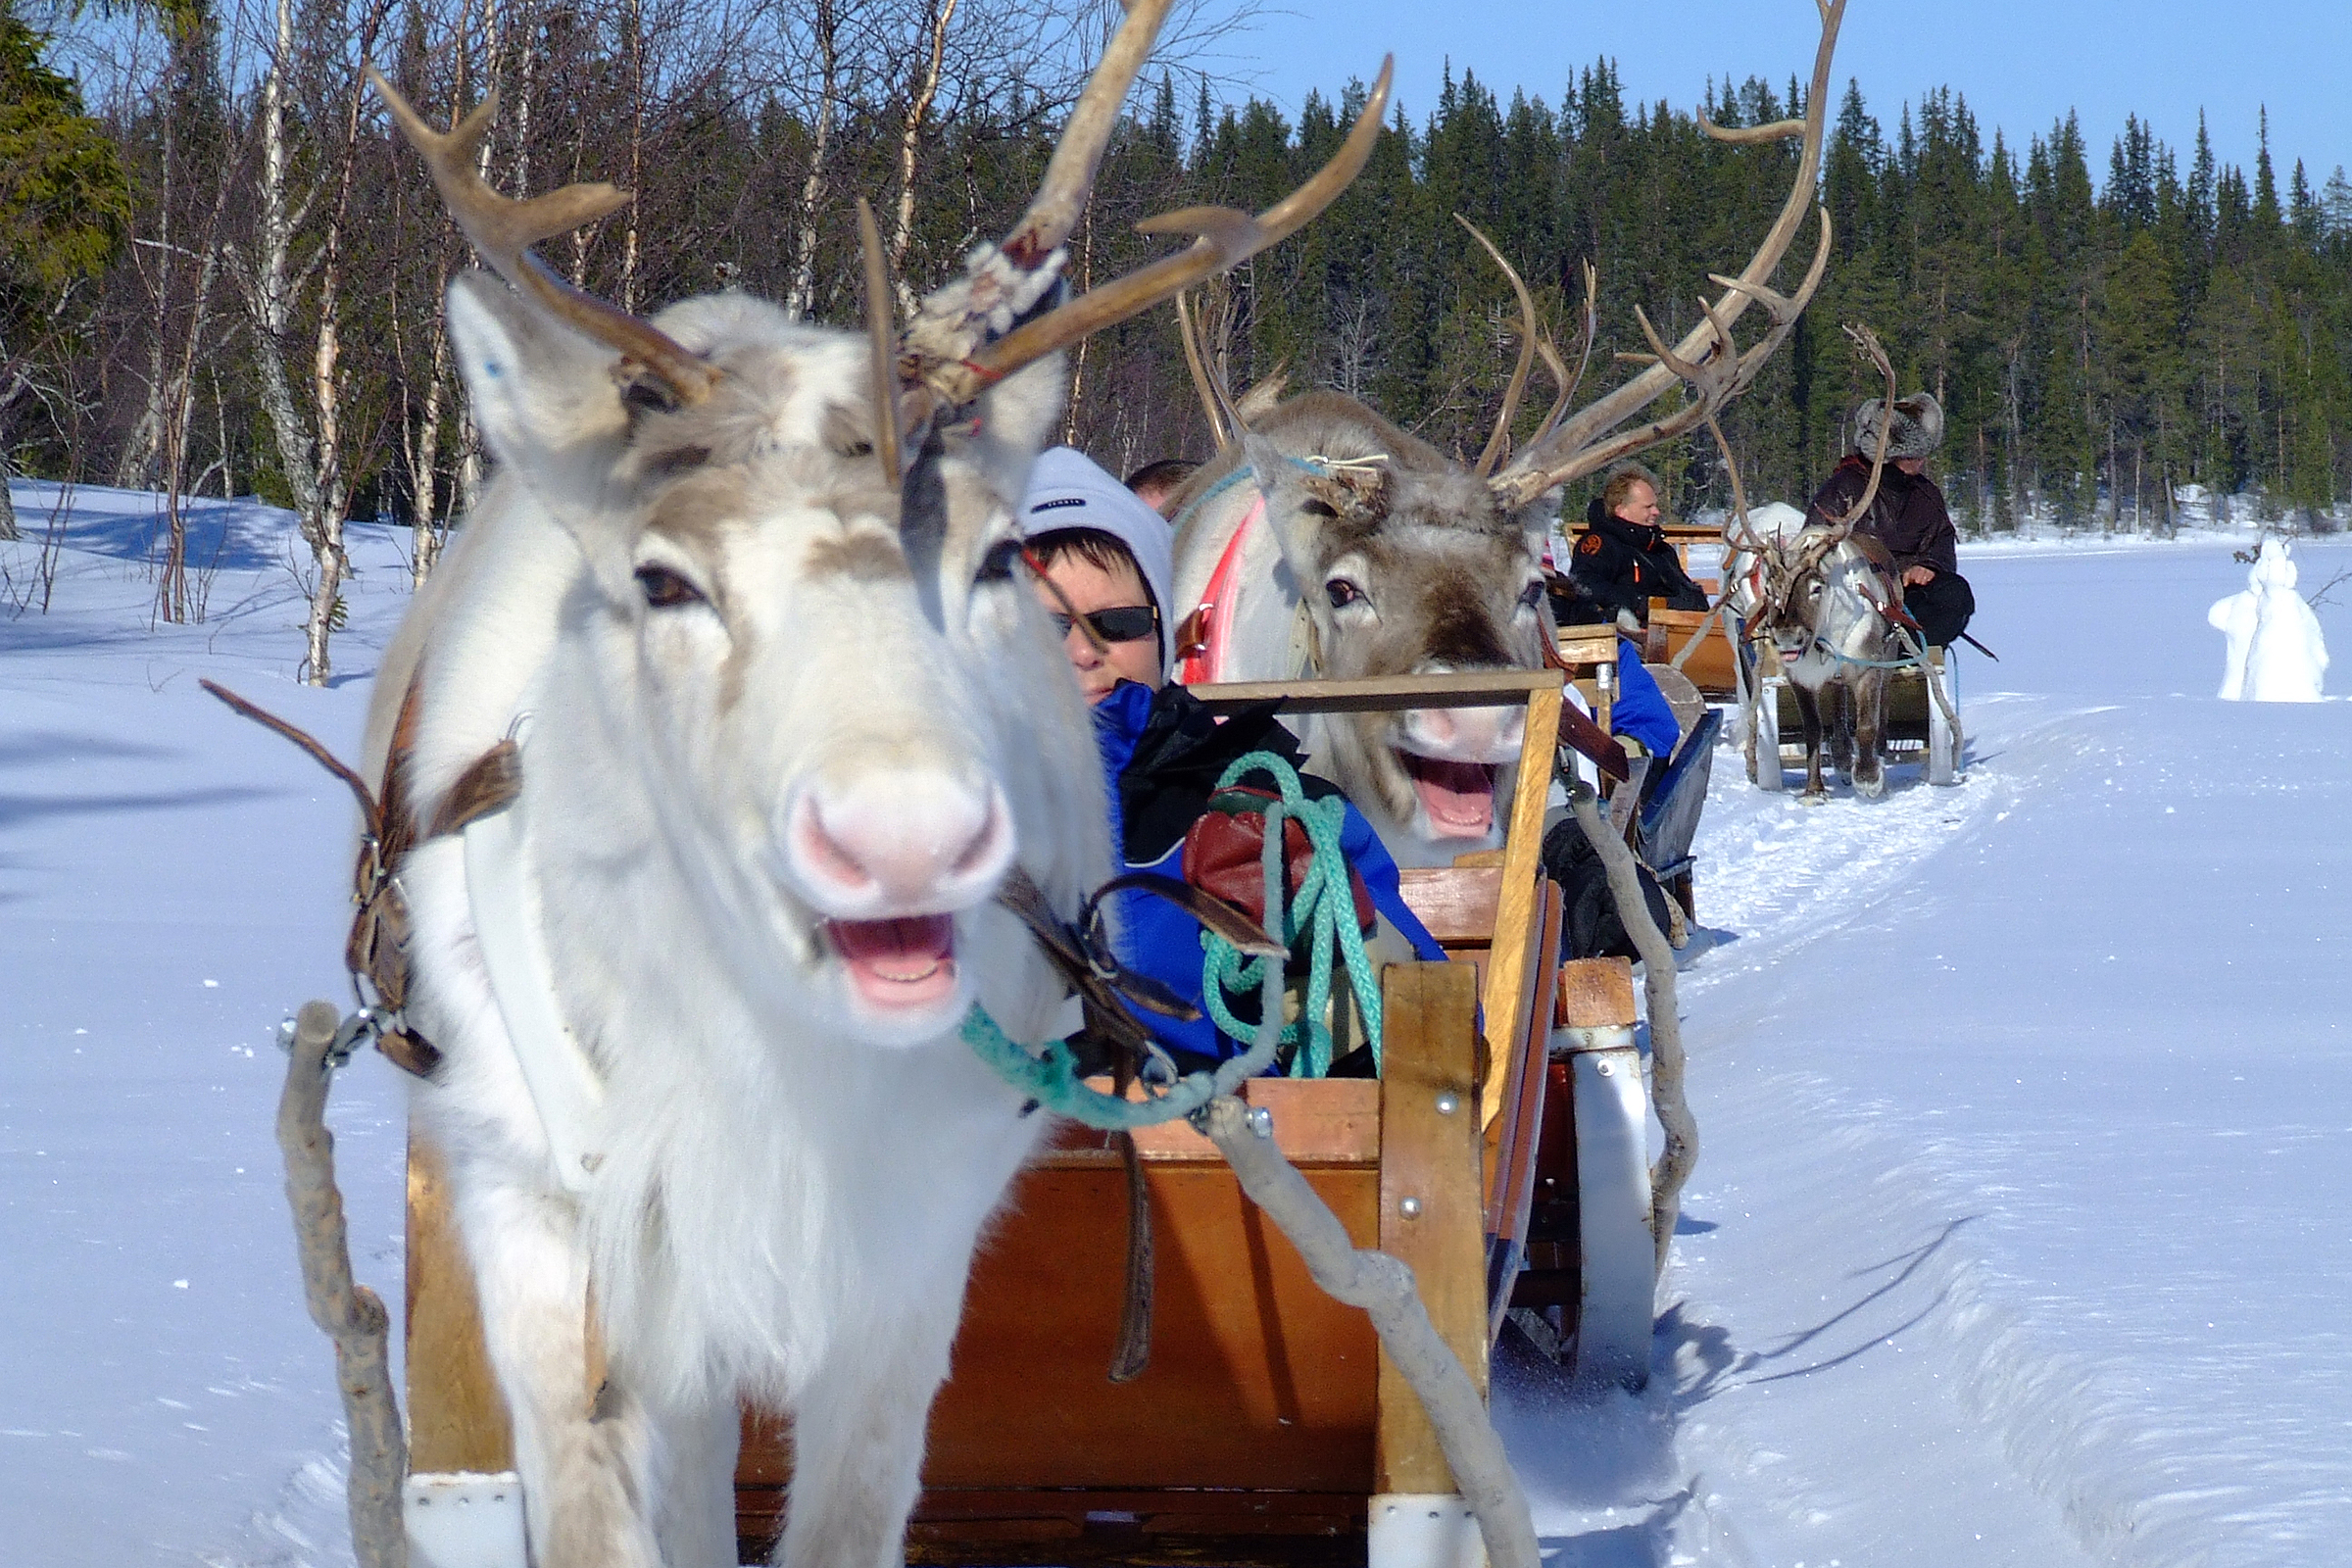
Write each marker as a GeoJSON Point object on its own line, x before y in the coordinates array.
{"type": "Point", "coordinates": [1775, 873]}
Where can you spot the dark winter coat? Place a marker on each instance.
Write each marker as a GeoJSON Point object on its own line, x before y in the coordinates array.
{"type": "Point", "coordinates": [1625, 565]}
{"type": "Point", "coordinates": [1907, 515]}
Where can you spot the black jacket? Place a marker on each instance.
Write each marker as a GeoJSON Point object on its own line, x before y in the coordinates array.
{"type": "Point", "coordinates": [1625, 566]}
{"type": "Point", "coordinates": [1907, 515]}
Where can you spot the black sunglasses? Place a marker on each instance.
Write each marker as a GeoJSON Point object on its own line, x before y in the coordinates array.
{"type": "Point", "coordinates": [1128, 624]}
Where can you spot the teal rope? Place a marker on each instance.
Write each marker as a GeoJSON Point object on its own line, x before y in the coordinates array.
{"type": "Point", "coordinates": [1324, 911]}
{"type": "Point", "coordinates": [1048, 1076]}
{"type": "Point", "coordinates": [1241, 472]}
{"type": "Point", "coordinates": [1838, 658]}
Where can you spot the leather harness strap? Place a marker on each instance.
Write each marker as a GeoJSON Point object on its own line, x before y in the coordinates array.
{"type": "Point", "coordinates": [1201, 637]}
{"type": "Point", "coordinates": [377, 948]}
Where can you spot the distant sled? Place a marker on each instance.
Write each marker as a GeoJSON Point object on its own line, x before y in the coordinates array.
{"type": "Point", "coordinates": [1921, 730]}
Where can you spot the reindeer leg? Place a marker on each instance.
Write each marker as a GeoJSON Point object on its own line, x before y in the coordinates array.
{"type": "Point", "coordinates": [1870, 706]}
{"type": "Point", "coordinates": [857, 1438]}
{"type": "Point", "coordinates": [697, 1519]}
{"type": "Point", "coordinates": [586, 1462]}
{"type": "Point", "coordinates": [1808, 712]}
{"type": "Point", "coordinates": [1838, 699]}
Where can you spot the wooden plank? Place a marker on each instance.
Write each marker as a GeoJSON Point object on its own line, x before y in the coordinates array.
{"type": "Point", "coordinates": [1710, 664]}
{"type": "Point", "coordinates": [1587, 645]}
{"type": "Point", "coordinates": [1257, 1379]}
{"type": "Point", "coordinates": [1429, 1164]}
{"type": "Point", "coordinates": [1508, 978]}
{"type": "Point", "coordinates": [1594, 992]}
{"type": "Point", "coordinates": [1511, 1138]}
{"type": "Point", "coordinates": [1328, 1121]}
{"type": "Point", "coordinates": [456, 1417]}
{"type": "Point", "coordinates": [1457, 903]}
{"type": "Point", "coordinates": [1469, 688]}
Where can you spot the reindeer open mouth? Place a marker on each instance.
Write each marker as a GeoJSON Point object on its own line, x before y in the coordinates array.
{"type": "Point", "coordinates": [1457, 797]}
{"type": "Point", "coordinates": [908, 961]}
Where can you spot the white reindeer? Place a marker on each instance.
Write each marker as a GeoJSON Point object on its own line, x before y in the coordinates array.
{"type": "Point", "coordinates": [786, 723]}
{"type": "Point", "coordinates": [1325, 541]}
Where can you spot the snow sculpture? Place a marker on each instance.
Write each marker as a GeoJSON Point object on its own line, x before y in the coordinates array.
{"type": "Point", "coordinates": [2274, 649]}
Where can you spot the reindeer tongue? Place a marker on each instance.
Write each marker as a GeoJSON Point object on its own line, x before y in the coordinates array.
{"type": "Point", "coordinates": [898, 964]}
{"type": "Point", "coordinates": [1458, 798]}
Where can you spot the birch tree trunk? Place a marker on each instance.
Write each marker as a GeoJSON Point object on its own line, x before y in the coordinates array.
{"type": "Point", "coordinates": [269, 289]}
{"type": "Point", "coordinates": [800, 300]}
{"type": "Point", "coordinates": [921, 93]}
{"type": "Point", "coordinates": [422, 442]}
{"type": "Point", "coordinates": [311, 457]}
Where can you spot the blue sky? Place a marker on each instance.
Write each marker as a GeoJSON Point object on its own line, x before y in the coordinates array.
{"type": "Point", "coordinates": [2020, 63]}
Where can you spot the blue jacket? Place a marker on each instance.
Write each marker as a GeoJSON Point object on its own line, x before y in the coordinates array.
{"type": "Point", "coordinates": [1641, 709]}
{"type": "Point", "coordinates": [1161, 756]}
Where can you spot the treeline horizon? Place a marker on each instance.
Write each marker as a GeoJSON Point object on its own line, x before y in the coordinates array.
{"type": "Point", "coordinates": [225, 278]}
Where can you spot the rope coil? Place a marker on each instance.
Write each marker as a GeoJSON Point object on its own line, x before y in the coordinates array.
{"type": "Point", "coordinates": [1323, 911]}
{"type": "Point", "coordinates": [1049, 1075]}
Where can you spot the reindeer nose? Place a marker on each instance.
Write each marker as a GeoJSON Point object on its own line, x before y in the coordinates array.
{"type": "Point", "coordinates": [1465, 734]}
{"type": "Point", "coordinates": [900, 844]}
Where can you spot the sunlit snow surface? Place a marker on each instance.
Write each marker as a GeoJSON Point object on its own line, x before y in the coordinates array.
{"type": "Point", "coordinates": [2020, 1222]}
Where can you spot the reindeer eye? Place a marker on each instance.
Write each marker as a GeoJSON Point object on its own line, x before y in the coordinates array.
{"type": "Point", "coordinates": [858, 449]}
{"type": "Point", "coordinates": [997, 564]}
{"type": "Point", "coordinates": [1342, 592]}
{"type": "Point", "coordinates": [1317, 509]}
{"type": "Point", "coordinates": [1531, 596]}
{"type": "Point", "coordinates": [664, 589]}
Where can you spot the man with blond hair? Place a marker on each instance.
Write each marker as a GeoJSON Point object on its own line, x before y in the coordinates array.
{"type": "Point", "coordinates": [1623, 557]}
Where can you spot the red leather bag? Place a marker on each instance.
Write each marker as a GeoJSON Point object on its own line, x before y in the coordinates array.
{"type": "Point", "coordinates": [1224, 854]}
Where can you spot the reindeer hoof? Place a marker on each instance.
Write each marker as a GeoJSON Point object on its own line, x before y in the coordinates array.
{"type": "Point", "coordinates": [1814, 798]}
{"type": "Point", "coordinates": [1870, 789]}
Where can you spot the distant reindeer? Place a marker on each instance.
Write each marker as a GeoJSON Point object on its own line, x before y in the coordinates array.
{"type": "Point", "coordinates": [744, 592]}
{"type": "Point", "coordinates": [1326, 541]}
{"type": "Point", "coordinates": [1816, 595]}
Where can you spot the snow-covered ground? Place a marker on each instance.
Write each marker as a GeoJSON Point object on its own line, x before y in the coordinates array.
{"type": "Point", "coordinates": [2016, 1235]}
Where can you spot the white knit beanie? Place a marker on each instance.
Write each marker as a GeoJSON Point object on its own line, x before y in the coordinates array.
{"type": "Point", "coordinates": [1067, 490]}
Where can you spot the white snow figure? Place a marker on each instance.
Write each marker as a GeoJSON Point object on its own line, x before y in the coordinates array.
{"type": "Point", "coordinates": [2276, 650]}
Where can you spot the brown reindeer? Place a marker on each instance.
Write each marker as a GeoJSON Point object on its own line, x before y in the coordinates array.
{"type": "Point", "coordinates": [1325, 541]}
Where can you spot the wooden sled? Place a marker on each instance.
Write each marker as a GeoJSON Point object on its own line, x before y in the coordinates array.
{"type": "Point", "coordinates": [1711, 664]}
{"type": "Point", "coordinates": [1268, 1428]}
{"type": "Point", "coordinates": [1920, 729]}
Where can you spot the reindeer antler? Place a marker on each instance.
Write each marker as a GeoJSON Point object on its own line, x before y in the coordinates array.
{"type": "Point", "coordinates": [1866, 342]}
{"type": "Point", "coordinates": [1583, 443]}
{"type": "Point", "coordinates": [1498, 443]}
{"type": "Point", "coordinates": [1746, 538]}
{"type": "Point", "coordinates": [1205, 381]}
{"type": "Point", "coordinates": [1223, 239]}
{"type": "Point", "coordinates": [504, 231]}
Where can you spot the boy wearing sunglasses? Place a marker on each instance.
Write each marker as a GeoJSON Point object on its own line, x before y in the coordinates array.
{"type": "Point", "coordinates": [1106, 560]}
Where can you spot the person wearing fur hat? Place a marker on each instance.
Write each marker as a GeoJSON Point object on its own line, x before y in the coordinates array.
{"type": "Point", "coordinates": [1907, 517]}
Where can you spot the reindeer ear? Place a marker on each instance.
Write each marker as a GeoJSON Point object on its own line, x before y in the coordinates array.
{"type": "Point", "coordinates": [1350, 493]}
{"type": "Point", "coordinates": [542, 393]}
{"type": "Point", "coordinates": [1300, 499]}
{"type": "Point", "coordinates": [1534, 522]}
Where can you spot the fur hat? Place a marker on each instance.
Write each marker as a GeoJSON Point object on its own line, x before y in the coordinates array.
{"type": "Point", "coordinates": [1918, 426]}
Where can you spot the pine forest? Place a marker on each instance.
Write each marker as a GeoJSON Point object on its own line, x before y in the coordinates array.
{"type": "Point", "coordinates": [219, 273]}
